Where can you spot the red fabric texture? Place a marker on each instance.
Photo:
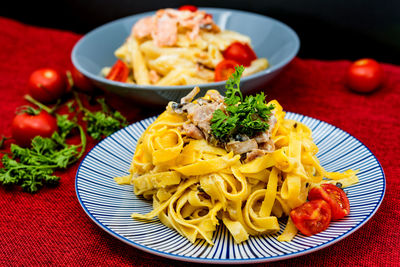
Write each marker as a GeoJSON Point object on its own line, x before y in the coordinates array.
{"type": "Point", "coordinates": [51, 228]}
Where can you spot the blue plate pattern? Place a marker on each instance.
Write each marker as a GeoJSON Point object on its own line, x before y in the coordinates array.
{"type": "Point", "coordinates": [109, 205]}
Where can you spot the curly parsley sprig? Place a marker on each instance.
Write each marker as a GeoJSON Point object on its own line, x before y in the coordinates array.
{"type": "Point", "coordinates": [101, 123]}
{"type": "Point", "coordinates": [247, 116]}
{"type": "Point", "coordinates": [33, 167]}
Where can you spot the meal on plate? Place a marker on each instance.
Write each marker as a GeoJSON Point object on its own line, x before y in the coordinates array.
{"type": "Point", "coordinates": [179, 47]}
{"type": "Point", "coordinates": [234, 160]}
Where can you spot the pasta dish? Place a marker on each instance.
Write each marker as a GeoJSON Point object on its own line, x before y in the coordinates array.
{"type": "Point", "coordinates": [230, 160]}
{"type": "Point", "coordinates": [181, 47]}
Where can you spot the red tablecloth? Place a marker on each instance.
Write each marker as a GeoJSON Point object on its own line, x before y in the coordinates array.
{"type": "Point", "coordinates": [50, 227]}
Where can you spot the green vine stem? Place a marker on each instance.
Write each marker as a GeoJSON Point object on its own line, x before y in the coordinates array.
{"type": "Point", "coordinates": [40, 105]}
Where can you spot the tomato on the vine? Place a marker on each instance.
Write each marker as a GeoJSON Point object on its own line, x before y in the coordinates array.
{"type": "Point", "coordinates": [46, 85]}
{"type": "Point", "coordinates": [365, 75]}
{"type": "Point", "coordinates": [190, 8]}
{"type": "Point", "coordinates": [334, 196]}
{"type": "Point", "coordinates": [224, 69]}
{"type": "Point", "coordinates": [311, 217]}
{"type": "Point", "coordinates": [81, 82]}
{"type": "Point", "coordinates": [241, 53]}
{"type": "Point", "coordinates": [25, 126]}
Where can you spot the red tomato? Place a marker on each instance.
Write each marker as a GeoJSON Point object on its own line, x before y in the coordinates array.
{"type": "Point", "coordinates": [26, 126]}
{"type": "Point", "coordinates": [190, 8]}
{"type": "Point", "coordinates": [81, 82]}
{"type": "Point", "coordinates": [335, 197]}
{"type": "Point", "coordinates": [224, 69]}
{"type": "Point", "coordinates": [119, 72]}
{"type": "Point", "coordinates": [208, 16]}
{"type": "Point", "coordinates": [46, 85]}
{"type": "Point", "coordinates": [241, 53]}
{"type": "Point", "coordinates": [365, 75]}
{"type": "Point", "coordinates": [312, 217]}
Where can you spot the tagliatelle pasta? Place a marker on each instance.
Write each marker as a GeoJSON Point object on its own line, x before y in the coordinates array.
{"type": "Point", "coordinates": [195, 185]}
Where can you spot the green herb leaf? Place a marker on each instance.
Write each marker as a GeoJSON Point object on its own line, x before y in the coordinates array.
{"type": "Point", "coordinates": [247, 116]}
{"type": "Point", "coordinates": [105, 122]}
{"type": "Point", "coordinates": [31, 168]}
{"type": "Point", "coordinates": [233, 94]}
{"type": "Point", "coordinates": [222, 125]}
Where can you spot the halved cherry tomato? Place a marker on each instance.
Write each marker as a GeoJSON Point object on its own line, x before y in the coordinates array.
{"type": "Point", "coordinates": [224, 69]}
{"type": "Point", "coordinates": [365, 75]}
{"type": "Point", "coordinates": [119, 72]}
{"type": "Point", "coordinates": [312, 217]}
{"type": "Point", "coordinates": [81, 82]}
{"type": "Point", "coordinates": [46, 85]}
{"type": "Point", "coordinates": [25, 126]}
{"type": "Point", "coordinates": [335, 197]}
{"type": "Point", "coordinates": [190, 8]}
{"type": "Point", "coordinates": [241, 53]}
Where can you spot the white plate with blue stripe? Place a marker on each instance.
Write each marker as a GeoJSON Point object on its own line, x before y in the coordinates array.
{"type": "Point", "coordinates": [110, 205]}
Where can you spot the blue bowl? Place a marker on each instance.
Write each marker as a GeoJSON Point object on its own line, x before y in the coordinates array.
{"type": "Point", "coordinates": [270, 39]}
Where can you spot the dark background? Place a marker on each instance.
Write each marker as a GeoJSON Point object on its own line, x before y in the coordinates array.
{"type": "Point", "coordinates": [328, 29]}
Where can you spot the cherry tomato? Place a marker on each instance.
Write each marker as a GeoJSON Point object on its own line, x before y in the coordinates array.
{"type": "Point", "coordinates": [335, 197]}
{"type": "Point", "coordinates": [190, 8]}
{"type": "Point", "coordinates": [224, 69]}
{"type": "Point", "coordinates": [119, 72]}
{"type": "Point", "coordinates": [241, 53]}
{"type": "Point", "coordinates": [365, 75]}
{"type": "Point", "coordinates": [81, 82]}
{"type": "Point", "coordinates": [26, 126]}
{"type": "Point", "coordinates": [46, 85]}
{"type": "Point", "coordinates": [312, 217]}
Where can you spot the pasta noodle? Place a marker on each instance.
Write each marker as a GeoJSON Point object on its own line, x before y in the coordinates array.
{"type": "Point", "coordinates": [178, 48]}
{"type": "Point", "coordinates": [195, 185]}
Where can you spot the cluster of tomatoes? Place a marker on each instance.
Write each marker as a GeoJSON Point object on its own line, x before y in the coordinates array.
{"type": "Point", "coordinates": [45, 85]}
{"type": "Point", "coordinates": [326, 203]}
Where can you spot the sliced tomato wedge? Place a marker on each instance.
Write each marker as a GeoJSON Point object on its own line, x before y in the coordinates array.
{"type": "Point", "coordinates": [335, 197]}
{"type": "Point", "coordinates": [119, 72]}
{"type": "Point", "coordinates": [312, 217]}
{"type": "Point", "coordinates": [241, 53]}
{"type": "Point", "coordinates": [190, 8]}
{"type": "Point", "coordinates": [224, 69]}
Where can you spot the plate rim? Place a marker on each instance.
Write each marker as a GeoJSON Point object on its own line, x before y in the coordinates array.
{"type": "Point", "coordinates": [233, 261]}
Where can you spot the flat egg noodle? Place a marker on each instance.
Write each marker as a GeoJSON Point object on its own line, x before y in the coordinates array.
{"type": "Point", "coordinates": [194, 185]}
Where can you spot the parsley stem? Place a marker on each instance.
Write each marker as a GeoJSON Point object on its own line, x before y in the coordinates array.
{"type": "Point", "coordinates": [40, 105]}
{"type": "Point", "coordinates": [79, 102]}
{"type": "Point", "coordinates": [2, 140]}
{"type": "Point", "coordinates": [83, 142]}
{"type": "Point", "coordinates": [70, 80]}
{"type": "Point", "coordinates": [34, 166]}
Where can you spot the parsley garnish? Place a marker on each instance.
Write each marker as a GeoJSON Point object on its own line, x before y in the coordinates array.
{"type": "Point", "coordinates": [33, 167]}
{"type": "Point", "coordinates": [102, 123]}
{"type": "Point", "coordinates": [247, 116]}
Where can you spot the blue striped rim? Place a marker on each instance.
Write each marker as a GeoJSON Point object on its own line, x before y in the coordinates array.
{"type": "Point", "coordinates": [110, 205]}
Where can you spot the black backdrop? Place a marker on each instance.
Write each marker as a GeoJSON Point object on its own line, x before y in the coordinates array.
{"type": "Point", "coordinates": [328, 29]}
